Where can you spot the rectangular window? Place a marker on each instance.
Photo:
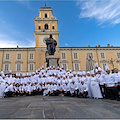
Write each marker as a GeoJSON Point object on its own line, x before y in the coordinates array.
{"type": "Point", "coordinates": [103, 65]}
{"type": "Point", "coordinates": [63, 56]}
{"type": "Point", "coordinates": [31, 56]}
{"type": "Point", "coordinates": [31, 67]}
{"type": "Point", "coordinates": [64, 66]}
{"type": "Point", "coordinates": [90, 54]}
{"type": "Point", "coordinates": [6, 67]}
{"type": "Point", "coordinates": [118, 55]}
{"type": "Point", "coordinates": [76, 67]}
{"type": "Point", "coordinates": [7, 56]}
{"type": "Point", "coordinates": [75, 55]}
{"type": "Point", "coordinates": [18, 67]}
{"type": "Point", "coordinates": [19, 56]}
{"type": "Point", "coordinates": [102, 55]}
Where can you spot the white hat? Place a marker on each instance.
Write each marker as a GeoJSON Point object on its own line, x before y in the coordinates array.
{"type": "Point", "coordinates": [106, 68]}
{"type": "Point", "coordinates": [88, 72]}
{"type": "Point", "coordinates": [92, 72]}
{"type": "Point", "coordinates": [23, 74]}
{"type": "Point", "coordinates": [96, 70]}
{"type": "Point", "coordinates": [27, 74]}
{"type": "Point", "coordinates": [96, 65]}
{"type": "Point", "coordinates": [80, 73]}
{"type": "Point", "coordinates": [99, 69]}
{"type": "Point", "coordinates": [70, 70]}
{"type": "Point", "coordinates": [63, 76]}
{"type": "Point", "coordinates": [33, 72]}
{"type": "Point", "coordinates": [36, 71]}
{"type": "Point", "coordinates": [10, 71]}
{"type": "Point", "coordinates": [84, 73]}
{"type": "Point", "coordinates": [74, 72]}
{"type": "Point", "coordinates": [2, 72]}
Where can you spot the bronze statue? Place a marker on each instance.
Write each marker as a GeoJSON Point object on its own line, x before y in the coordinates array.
{"type": "Point", "coordinates": [51, 45]}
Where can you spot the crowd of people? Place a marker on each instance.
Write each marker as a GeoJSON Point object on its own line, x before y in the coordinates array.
{"type": "Point", "coordinates": [53, 81]}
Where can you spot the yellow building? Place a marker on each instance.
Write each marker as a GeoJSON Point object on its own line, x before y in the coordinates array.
{"type": "Point", "coordinates": [24, 60]}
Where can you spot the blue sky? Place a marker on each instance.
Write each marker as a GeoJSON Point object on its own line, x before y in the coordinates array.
{"type": "Point", "coordinates": [81, 22]}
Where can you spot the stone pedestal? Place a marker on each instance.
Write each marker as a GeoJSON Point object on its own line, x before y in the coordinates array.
{"type": "Point", "coordinates": [52, 60]}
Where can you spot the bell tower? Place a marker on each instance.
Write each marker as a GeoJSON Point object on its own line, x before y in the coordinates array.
{"type": "Point", "coordinates": [45, 25]}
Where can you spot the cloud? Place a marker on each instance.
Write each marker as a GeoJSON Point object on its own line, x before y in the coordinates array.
{"type": "Point", "coordinates": [66, 44]}
{"type": "Point", "coordinates": [104, 11]}
{"type": "Point", "coordinates": [8, 42]}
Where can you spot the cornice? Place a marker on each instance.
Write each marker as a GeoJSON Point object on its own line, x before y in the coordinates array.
{"type": "Point", "coordinates": [46, 33]}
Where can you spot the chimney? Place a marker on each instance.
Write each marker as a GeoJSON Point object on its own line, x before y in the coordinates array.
{"type": "Point", "coordinates": [98, 45]}
{"type": "Point", "coordinates": [88, 45]}
{"type": "Point", "coordinates": [108, 45]}
{"type": "Point", "coordinates": [111, 45]}
{"type": "Point", "coordinates": [17, 46]}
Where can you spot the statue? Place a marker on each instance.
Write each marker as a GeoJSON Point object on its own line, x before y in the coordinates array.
{"type": "Point", "coordinates": [51, 45]}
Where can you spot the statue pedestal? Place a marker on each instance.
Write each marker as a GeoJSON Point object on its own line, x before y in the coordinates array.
{"type": "Point", "coordinates": [52, 60]}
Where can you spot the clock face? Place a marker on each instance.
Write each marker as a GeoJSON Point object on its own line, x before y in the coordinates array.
{"type": "Point", "coordinates": [44, 40]}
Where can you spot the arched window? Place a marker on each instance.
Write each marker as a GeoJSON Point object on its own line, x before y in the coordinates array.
{"type": "Point", "coordinates": [39, 27]}
{"type": "Point", "coordinates": [45, 15]}
{"type": "Point", "coordinates": [46, 26]}
{"type": "Point", "coordinates": [53, 27]}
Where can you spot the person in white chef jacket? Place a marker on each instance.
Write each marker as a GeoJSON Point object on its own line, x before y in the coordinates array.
{"type": "Point", "coordinates": [110, 86]}
{"type": "Point", "coordinates": [66, 88]}
{"type": "Point", "coordinates": [83, 90]}
{"type": "Point", "coordinates": [73, 89]}
{"type": "Point", "coordinates": [2, 86]}
{"type": "Point", "coordinates": [88, 78]}
{"type": "Point", "coordinates": [101, 80]}
{"type": "Point", "coordinates": [117, 82]}
{"type": "Point", "coordinates": [95, 89]}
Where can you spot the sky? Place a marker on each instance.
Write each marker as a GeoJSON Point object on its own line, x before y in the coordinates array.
{"type": "Point", "coordinates": [80, 22]}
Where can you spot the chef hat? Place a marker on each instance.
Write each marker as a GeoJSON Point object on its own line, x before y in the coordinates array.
{"type": "Point", "coordinates": [92, 72]}
{"type": "Point", "coordinates": [2, 72]}
{"type": "Point", "coordinates": [80, 73]}
{"type": "Point", "coordinates": [53, 66]}
{"type": "Point", "coordinates": [23, 75]}
{"type": "Point", "coordinates": [27, 74]}
{"type": "Point", "coordinates": [74, 72]}
{"type": "Point", "coordinates": [66, 69]}
{"type": "Point", "coordinates": [84, 73]}
{"type": "Point", "coordinates": [88, 72]}
{"type": "Point", "coordinates": [55, 74]}
{"type": "Point", "coordinates": [96, 65]}
{"type": "Point", "coordinates": [50, 66]}
{"type": "Point", "coordinates": [36, 71]}
{"type": "Point", "coordinates": [33, 72]}
{"type": "Point", "coordinates": [70, 70]}
{"type": "Point", "coordinates": [10, 71]}
{"type": "Point", "coordinates": [63, 76]}
{"type": "Point", "coordinates": [96, 70]}
{"type": "Point", "coordinates": [58, 67]}
{"type": "Point", "coordinates": [99, 69]}
{"type": "Point", "coordinates": [106, 68]}
{"type": "Point", "coordinates": [42, 66]}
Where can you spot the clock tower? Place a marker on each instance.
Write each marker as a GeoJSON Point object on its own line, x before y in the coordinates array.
{"type": "Point", "coordinates": [45, 25]}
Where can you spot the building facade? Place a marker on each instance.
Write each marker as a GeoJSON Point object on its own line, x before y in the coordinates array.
{"type": "Point", "coordinates": [24, 60]}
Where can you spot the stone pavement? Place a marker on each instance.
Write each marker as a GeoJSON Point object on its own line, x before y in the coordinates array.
{"type": "Point", "coordinates": [58, 107]}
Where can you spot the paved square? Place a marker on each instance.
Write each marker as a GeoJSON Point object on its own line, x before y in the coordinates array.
{"type": "Point", "coordinates": [58, 107]}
